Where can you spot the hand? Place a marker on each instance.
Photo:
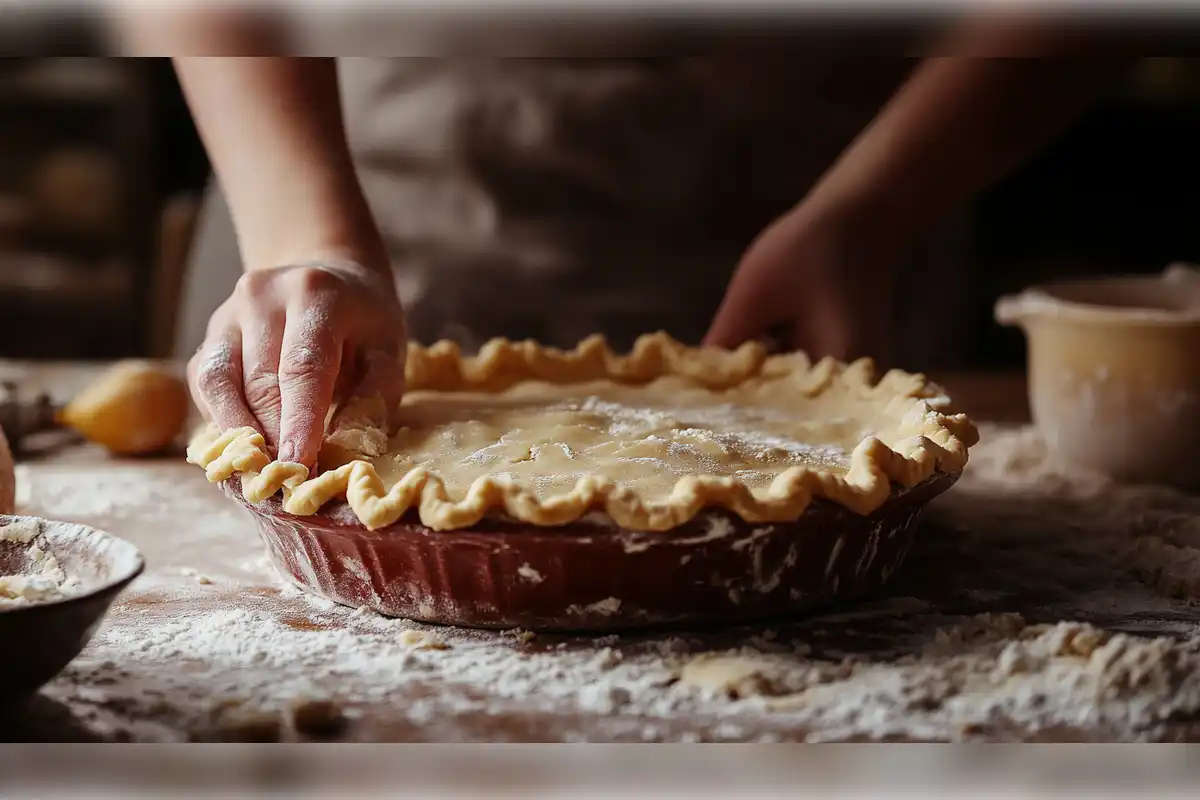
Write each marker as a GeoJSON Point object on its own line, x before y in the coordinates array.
{"type": "Point", "coordinates": [290, 341]}
{"type": "Point", "coordinates": [814, 283]}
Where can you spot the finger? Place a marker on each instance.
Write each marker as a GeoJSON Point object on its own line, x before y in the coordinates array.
{"type": "Point", "coordinates": [308, 369]}
{"type": "Point", "coordinates": [215, 376]}
{"type": "Point", "coordinates": [349, 373]}
{"type": "Point", "coordinates": [745, 313]}
{"type": "Point", "coordinates": [383, 375]}
{"type": "Point", "coordinates": [261, 343]}
{"type": "Point", "coordinates": [833, 329]}
{"type": "Point", "coordinates": [378, 375]}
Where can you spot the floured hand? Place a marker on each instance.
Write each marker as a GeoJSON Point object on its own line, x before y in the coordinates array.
{"type": "Point", "coordinates": [290, 341]}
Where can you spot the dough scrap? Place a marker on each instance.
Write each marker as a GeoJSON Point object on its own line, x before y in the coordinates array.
{"type": "Point", "coordinates": [422, 640]}
{"type": "Point", "coordinates": [734, 676]}
{"type": "Point", "coordinates": [739, 675]}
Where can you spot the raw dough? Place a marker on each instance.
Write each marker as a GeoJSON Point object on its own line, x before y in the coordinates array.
{"type": "Point", "coordinates": [421, 640]}
{"type": "Point", "coordinates": [734, 676]}
{"type": "Point", "coordinates": [650, 438]}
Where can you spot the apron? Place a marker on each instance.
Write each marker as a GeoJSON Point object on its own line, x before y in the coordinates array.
{"type": "Point", "coordinates": [556, 198]}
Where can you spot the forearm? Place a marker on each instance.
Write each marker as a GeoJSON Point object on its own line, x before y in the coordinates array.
{"type": "Point", "coordinates": [958, 124]}
{"type": "Point", "coordinates": [273, 131]}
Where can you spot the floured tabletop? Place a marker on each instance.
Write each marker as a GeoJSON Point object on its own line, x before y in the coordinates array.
{"type": "Point", "coordinates": [1036, 604]}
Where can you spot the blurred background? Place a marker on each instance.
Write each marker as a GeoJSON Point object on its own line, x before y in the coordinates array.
{"type": "Point", "coordinates": [100, 177]}
{"type": "Point", "coordinates": [101, 174]}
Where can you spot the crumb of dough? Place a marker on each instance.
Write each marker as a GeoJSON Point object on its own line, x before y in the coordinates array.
{"type": "Point", "coordinates": [420, 640]}
{"type": "Point", "coordinates": [733, 676]}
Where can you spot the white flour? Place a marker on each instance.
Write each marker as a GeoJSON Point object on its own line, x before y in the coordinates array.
{"type": "Point", "coordinates": [254, 654]}
{"type": "Point", "coordinates": [1036, 601]}
{"type": "Point", "coordinates": [40, 579]}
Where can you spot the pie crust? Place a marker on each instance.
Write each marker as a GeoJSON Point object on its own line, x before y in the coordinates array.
{"type": "Point", "coordinates": [545, 436]}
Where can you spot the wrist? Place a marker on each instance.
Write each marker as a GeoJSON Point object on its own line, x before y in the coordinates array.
{"type": "Point", "coordinates": [336, 230]}
{"type": "Point", "coordinates": [875, 216]}
{"type": "Point", "coordinates": [337, 253]}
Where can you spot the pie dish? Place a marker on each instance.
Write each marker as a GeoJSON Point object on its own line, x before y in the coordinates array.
{"type": "Point", "coordinates": [551, 455]}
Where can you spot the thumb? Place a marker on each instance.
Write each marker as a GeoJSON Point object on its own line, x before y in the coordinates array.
{"type": "Point", "coordinates": [383, 377]}
{"type": "Point", "coordinates": [375, 390]}
{"type": "Point", "coordinates": [361, 424]}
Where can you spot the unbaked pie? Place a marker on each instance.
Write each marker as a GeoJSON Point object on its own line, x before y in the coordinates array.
{"type": "Point", "coordinates": [650, 439]}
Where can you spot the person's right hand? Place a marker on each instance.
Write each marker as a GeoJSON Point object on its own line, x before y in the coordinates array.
{"type": "Point", "coordinates": [813, 282]}
{"type": "Point", "coordinates": [289, 342]}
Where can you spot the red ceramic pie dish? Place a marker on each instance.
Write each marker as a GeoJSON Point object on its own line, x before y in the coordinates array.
{"type": "Point", "coordinates": [592, 575]}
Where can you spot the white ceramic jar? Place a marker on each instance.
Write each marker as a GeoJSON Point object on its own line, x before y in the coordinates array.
{"type": "Point", "coordinates": [1114, 372]}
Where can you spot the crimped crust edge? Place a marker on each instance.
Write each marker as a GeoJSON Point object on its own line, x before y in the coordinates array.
{"type": "Point", "coordinates": [925, 441]}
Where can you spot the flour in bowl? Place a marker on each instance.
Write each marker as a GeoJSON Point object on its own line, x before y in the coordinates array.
{"type": "Point", "coordinates": [41, 578]}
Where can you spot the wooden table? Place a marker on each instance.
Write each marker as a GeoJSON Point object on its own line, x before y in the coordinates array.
{"type": "Point", "coordinates": [205, 569]}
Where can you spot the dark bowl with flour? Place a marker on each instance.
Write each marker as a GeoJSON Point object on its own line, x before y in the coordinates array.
{"type": "Point", "coordinates": [38, 639]}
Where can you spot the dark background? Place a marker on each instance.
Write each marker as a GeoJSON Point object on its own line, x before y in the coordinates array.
{"type": "Point", "coordinates": [1115, 193]}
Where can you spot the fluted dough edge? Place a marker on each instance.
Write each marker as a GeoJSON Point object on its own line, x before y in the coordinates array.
{"type": "Point", "coordinates": [925, 442]}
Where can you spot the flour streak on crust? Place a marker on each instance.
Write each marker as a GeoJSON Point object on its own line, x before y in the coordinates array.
{"type": "Point", "coordinates": [908, 441]}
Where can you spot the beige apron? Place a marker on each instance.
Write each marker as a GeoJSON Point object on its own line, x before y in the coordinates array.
{"type": "Point", "coordinates": [553, 199]}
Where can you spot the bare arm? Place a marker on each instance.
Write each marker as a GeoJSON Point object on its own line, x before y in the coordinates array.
{"type": "Point", "coordinates": [963, 121]}
{"type": "Point", "coordinates": [273, 130]}
{"type": "Point", "coordinates": [821, 276]}
{"type": "Point", "coordinates": [316, 314]}
{"type": "Point", "coordinates": [315, 318]}
{"type": "Point", "coordinates": [272, 127]}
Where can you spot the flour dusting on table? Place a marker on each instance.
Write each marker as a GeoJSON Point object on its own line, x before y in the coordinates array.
{"type": "Point", "coordinates": [1037, 602]}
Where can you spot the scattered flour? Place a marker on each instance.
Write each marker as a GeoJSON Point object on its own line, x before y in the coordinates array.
{"type": "Point", "coordinates": [1036, 602]}
{"type": "Point", "coordinates": [270, 652]}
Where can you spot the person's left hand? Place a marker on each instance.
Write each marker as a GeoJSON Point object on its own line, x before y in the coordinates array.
{"type": "Point", "coordinates": [811, 282]}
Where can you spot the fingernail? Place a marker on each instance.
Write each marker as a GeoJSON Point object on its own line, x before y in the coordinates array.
{"type": "Point", "coordinates": [287, 452]}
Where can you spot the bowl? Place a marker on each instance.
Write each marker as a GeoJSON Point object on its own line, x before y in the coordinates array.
{"type": "Point", "coordinates": [592, 576]}
{"type": "Point", "coordinates": [38, 640]}
{"type": "Point", "coordinates": [1114, 372]}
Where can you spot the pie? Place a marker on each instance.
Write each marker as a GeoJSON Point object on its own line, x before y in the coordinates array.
{"type": "Point", "coordinates": [650, 439]}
